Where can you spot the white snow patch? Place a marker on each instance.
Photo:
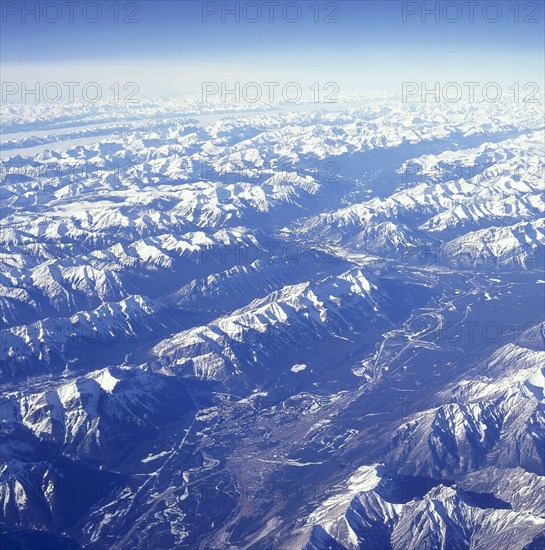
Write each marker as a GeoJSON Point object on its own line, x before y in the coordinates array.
{"type": "Point", "coordinates": [298, 368]}
{"type": "Point", "coordinates": [106, 380]}
{"type": "Point", "coordinates": [151, 458]}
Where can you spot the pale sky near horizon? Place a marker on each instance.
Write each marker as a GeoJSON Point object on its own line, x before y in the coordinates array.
{"type": "Point", "coordinates": [171, 48]}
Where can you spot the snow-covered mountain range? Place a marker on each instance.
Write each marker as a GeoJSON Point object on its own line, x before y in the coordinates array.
{"type": "Point", "coordinates": [273, 327]}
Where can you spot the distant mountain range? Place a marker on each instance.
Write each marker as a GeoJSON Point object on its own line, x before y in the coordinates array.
{"type": "Point", "coordinates": [227, 327]}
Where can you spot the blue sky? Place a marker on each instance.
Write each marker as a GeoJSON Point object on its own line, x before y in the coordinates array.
{"type": "Point", "coordinates": [370, 47]}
